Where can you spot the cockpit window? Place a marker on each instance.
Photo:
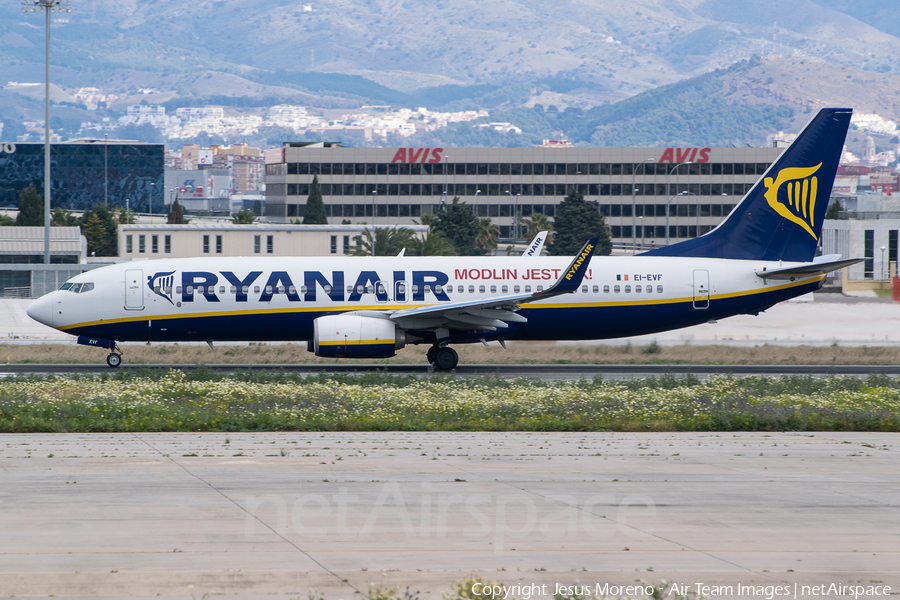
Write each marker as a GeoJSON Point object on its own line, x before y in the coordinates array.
{"type": "Point", "coordinates": [75, 288]}
{"type": "Point", "coordinates": [87, 287]}
{"type": "Point", "coordinates": [65, 286]}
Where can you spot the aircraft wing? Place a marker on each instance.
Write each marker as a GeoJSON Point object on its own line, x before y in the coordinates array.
{"type": "Point", "coordinates": [491, 313]}
{"type": "Point", "coordinates": [808, 269]}
{"type": "Point", "coordinates": [536, 245]}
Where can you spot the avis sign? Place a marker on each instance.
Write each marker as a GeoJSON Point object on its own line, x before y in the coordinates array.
{"type": "Point", "coordinates": [680, 155]}
{"type": "Point", "coordinates": [418, 155]}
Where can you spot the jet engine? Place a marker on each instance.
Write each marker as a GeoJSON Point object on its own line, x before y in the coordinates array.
{"type": "Point", "coordinates": [356, 336]}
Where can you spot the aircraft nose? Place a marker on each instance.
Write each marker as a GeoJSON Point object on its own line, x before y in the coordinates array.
{"type": "Point", "coordinates": [41, 310]}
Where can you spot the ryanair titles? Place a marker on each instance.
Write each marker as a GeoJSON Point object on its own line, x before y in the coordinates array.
{"type": "Point", "coordinates": [402, 286]}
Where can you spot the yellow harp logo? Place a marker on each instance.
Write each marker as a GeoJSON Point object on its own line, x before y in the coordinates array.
{"type": "Point", "coordinates": [801, 195]}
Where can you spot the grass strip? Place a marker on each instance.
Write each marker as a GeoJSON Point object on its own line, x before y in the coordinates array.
{"type": "Point", "coordinates": [205, 401]}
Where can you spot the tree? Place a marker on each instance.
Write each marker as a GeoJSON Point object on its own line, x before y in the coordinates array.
{"type": "Point", "coordinates": [833, 209]}
{"type": "Point", "coordinates": [388, 241]}
{"type": "Point", "coordinates": [457, 223]}
{"type": "Point", "coordinates": [99, 227]}
{"type": "Point", "coordinates": [124, 217]}
{"type": "Point", "coordinates": [433, 244]}
{"type": "Point", "coordinates": [245, 217]}
{"type": "Point", "coordinates": [577, 220]}
{"type": "Point", "coordinates": [315, 208]}
{"type": "Point", "coordinates": [31, 208]}
{"type": "Point", "coordinates": [60, 217]}
{"type": "Point", "coordinates": [536, 223]}
{"type": "Point", "coordinates": [6, 221]}
{"type": "Point", "coordinates": [488, 234]}
{"type": "Point", "coordinates": [176, 215]}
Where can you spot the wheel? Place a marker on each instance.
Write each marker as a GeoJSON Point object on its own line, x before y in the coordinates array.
{"type": "Point", "coordinates": [446, 358]}
{"type": "Point", "coordinates": [114, 360]}
{"type": "Point", "coordinates": [429, 356]}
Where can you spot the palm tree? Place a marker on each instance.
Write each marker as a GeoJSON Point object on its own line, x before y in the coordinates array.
{"type": "Point", "coordinates": [387, 242]}
{"type": "Point", "coordinates": [537, 222]}
{"type": "Point", "coordinates": [433, 244]}
{"type": "Point", "coordinates": [488, 234]}
{"type": "Point", "coordinates": [245, 217]}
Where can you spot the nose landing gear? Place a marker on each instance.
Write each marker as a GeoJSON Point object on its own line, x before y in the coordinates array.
{"type": "Point", "coordinates": [114, 359]}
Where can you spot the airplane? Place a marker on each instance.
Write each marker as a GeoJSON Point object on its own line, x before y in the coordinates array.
{"type": "Point", "coordinates": [370, 307]}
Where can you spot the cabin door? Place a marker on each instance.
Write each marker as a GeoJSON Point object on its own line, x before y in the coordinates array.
{"type": "Point", "coordinates": [134, 289]}
{"type": "Point", "coordinates": [701, 289]}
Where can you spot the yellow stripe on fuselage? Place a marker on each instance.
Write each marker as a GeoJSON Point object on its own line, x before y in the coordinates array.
{"type": "Point", "coordinates": [384, 307]}
{"type": "Point", "coordinates": [359, 343]}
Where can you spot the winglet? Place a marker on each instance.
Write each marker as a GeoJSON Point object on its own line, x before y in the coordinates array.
{"type": "Point", "coordinates": [572, 277]}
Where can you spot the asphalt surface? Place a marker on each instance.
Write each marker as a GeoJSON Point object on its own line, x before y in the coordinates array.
{"type": "Point", "coordinates": [546, 372]}
{"type": "Point", "coordinates": [271, 515]}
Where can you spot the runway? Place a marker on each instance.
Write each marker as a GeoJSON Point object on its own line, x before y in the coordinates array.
{"type": "Point", "coordinates": [271, 515]}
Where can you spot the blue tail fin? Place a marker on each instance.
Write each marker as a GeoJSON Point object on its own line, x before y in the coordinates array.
{"type": "Point", "coordinates": [780, 218]}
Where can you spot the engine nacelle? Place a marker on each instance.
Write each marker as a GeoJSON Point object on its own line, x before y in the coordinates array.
{"type": "Point", "coordinates": [356, 336]}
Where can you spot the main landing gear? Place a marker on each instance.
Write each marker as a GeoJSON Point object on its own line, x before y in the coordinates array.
{"type": "Point", "coordinates": [444, 358]}
{"type": "Point", "coordinates": [114, 360]}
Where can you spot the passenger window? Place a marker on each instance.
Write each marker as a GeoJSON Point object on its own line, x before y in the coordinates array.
{"type": "Point", "coordinates": [617, 289]}
{"type": "Point", "coordinates": [480, 289]}
{"type": "Point", "coordinates": [515, 289]}
{"type": "Point", "coordinates": [493, 289]}
{"type": "Point", "coordinates": [234, 289]}
{"type": "Point", "coordinates": [605, 289]}
{"type": "Point", "coordinates": [327, 289]}
{"type": "Point", "coordinates": [221, 289]}
{"type": "Point", "coordinates": [75, 288]}
{"type": "Point", "coordinates": [189, 290]}
{"type": "Point", "coordinates": [527, 289]}
{"type": "Point", "coordinates": [292, 290]}
{"type": "Point", "coordinates": [471, 289]}
{"type": "Point", "coordinates": [659, 289]}
{"type": "Point", "coordinates": [87, 287]}
{"type": "Point", "coordinates": [349, 289]}
{"type": "Point", "coordinates": [65, 286]}
{"type": "Point", "coordinates": [627, 289]}
{"type": "Point", "coordinates": [245, 289]}
{"type": "Point", "coordinates": [268, 289]}
{"type": "Point", "coordinates": [649, 289]}
{"type": "Point", "coordinates": [369, 289]}
{"type": "Point", "coordinates": [255, 289]}
{"type": "Point", "coordinates": [156, 289]}
{"type": "Point", "coordinates": [504, 289]}
{"type": "Point", "coordinates": [280, 289]}
{"type": "Point", "coordinates": [540, 288]}
{"type": "Point", "coordinates": [637, 289]}
{"type": "Point", "coordinates": [177, 289]}
{"type": "Point", "coordinates": [584, 289]}
{"type": "Point", "coordinates": [380, 289]}
{"type": "Point", "coordinates": [415, 289]}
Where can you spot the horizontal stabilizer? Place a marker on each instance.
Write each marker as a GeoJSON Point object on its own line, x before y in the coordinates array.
{"type": "Point", "coordinates": [808, 269]}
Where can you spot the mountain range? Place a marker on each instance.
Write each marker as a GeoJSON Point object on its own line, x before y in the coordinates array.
{"type": "Point", "coordinates": [624, 70]}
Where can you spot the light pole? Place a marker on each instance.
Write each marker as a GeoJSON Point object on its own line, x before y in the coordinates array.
{"type": "Point", "coordinates": [698, 209]}
{"type": "Point", "coordinates": [105, 169]}
{"type": "Point", "coordinates": [475, 201]}
{"type": "Point", "coordinates": [882, 267]}
{"type": "Point", "coordinates": [46, 7]}
{"type": "Point", "coordinates": [633, 199]}
{"type": "Point", "coordinates": [150, 199]}
{"type": "Point", "coordinates": [446, 171]}
{"type": "Point", "coordinates": [374, 214]}
{"type": "Point", "coordinates": [675, 168]}
{"type": "Point", "coordinates": [515, 216]}
{"type": "Point", "coordinates": [642, 232]}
